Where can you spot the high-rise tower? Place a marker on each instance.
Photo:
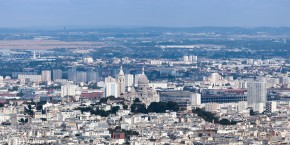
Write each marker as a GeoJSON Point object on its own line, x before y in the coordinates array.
{"type": "Point", "coordinates": [256, 93]}
{"type": "Point", "coordinates": [121, 82]}
{"type": "Point", "coordinates": [46, 75]}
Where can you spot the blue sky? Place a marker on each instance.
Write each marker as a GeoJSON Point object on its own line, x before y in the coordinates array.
{"type": "Point", "coordinates": [169, 13]}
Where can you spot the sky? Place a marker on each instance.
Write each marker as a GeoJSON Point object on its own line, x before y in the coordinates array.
{"type": "Point", "coordinates": [168, 13]}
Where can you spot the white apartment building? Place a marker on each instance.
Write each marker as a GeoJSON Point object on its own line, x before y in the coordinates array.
{"type": "Point", "coordinates": [46, 75]}
{"type": "Point", "coordinates": [68, 90]}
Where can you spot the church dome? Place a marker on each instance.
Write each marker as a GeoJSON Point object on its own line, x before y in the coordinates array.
{"type": "Point", "coordinates": [143, 80]}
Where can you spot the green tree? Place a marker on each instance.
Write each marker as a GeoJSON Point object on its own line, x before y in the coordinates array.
{"type": "Point", "coordinates": [173, 106]}
{"type": "Point", "coordinates": [23, 120]}
{"type": "Point", "coordinates": [138, 108]}
{"type": "Point", "coordinates": [158, 107]}
{"type": "Point", "coordinates": [43, 119]}
{"type": "Point", "coordinates": [115, 109]}
{"type": "Point", "coordinates": [29, 107]}
{"type": "Point", "coordinates": [29, 110]}
{"type": "Point", "coordinates": [125, 107]}
{"type": "Point", "coordinates": [137, 100]}
{"type": "Point", "coordinates": [207, 116]}
{"type": "Point", "coordinates": [39, 107]}
{"type": "Point", "coordinates": [227, 122]}
{"type": "Point", "coordinates": [104, 100]}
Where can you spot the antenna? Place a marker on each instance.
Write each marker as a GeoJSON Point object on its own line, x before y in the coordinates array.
{"type": "Point", "coordinates": [34, 55]}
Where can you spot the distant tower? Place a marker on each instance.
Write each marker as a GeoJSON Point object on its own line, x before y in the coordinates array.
{"type": "Point", "coordinates": [129, 80]}
{"type": "Point", "coordinates": [46, 75]}
{"type": "Point", "coordinates": [39, 55]}
{"type": "Point", "coordinates": [256, 92]}
{"type": "Point", "coordinates": [34, 55]}
{"type": "Point", "coordinates": [56, 74]}
{"type": "Point", "coordinates": [111, 87]}
{"type": "Point", "coordinates": [121, 82]}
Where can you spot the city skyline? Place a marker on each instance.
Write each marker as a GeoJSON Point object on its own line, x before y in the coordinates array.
{"type": "Point", "coordinates": [144, 72]}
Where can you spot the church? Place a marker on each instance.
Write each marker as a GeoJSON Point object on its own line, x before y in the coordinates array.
{"type": "Point", "coordinates": [145, 93]}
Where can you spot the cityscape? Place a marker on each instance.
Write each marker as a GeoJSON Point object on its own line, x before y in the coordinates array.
{"type": "Point", "coordinates": [144, 85]}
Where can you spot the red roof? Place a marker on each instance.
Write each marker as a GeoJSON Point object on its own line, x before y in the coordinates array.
{"type": "Point", "coordinates": [91, 95]}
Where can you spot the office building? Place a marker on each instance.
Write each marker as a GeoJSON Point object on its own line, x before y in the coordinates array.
{"type": "Point", "coordinates": [68, 90]}
{"type": "Point", "coordinates": [195, 99]}
{"type": "Point", "coordinates": [81, 76]}
{"type": "Point", "coordinates": [56, 74]}
{"type": "Point", "coordinates": [46, 75]}
{"type": "Point", "coordinates": [92, 76]}
{"type": "Point", "coordinates": [256, 93]}
{"type": "Point", "coordinates": [271, 106]}
{"type": "Point", "coordinates": [129, 80]}
{"type": "Point", "coordinates": [136, 79]}
{"type": "Point", "coordinates": [111, 87]}
{"type": "Point", "coordinates": [31, 78]}
{"type": "Point", "coordinates": [72, 75]}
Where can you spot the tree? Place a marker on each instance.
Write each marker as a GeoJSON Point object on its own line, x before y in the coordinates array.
{"type": "Point", "coordinates": [252, 113]}
{"type": "Point", "coordinates": [93, 86]}
{"type": "Point", "coordinates": [39, 107]}
{"type": "Point", "coordinates": [29, 110]}
{"type": "Point", "coordinates": [125, 107]}
{"type": "Point", "coordinates": [227, 122]}
{"type": "Point", "coordinates": [115, 109]}
{"type": "Point", "coordinates": [29, 107]}
{"type": "Point", "coordinates": [207, 116]}
{"type": "Point", "coordinates": [137, 100]}
{"type": "Point", "coordinates": [111, 97]}
{"type": "Point", "coordinates": [161, 107]}
{"type": "Point", "coordinates": [77, 134]}
{"type": "Point", "coordinates": [23, 120]}
{"type": "Point", "coordinates": [2, 105]}
{"type": "Point", "coordinates": [138, 108]}
{"type": "Point", "coordinates": [104, 100]}
{"type": "Point", "coordinates": [172, 106]}
{"type": "Point", "coordinates": [20, 94]}
{"type": "Point", "coordinates": [15, 88]}
{"type": "Point", "coordinates": [158, 107]}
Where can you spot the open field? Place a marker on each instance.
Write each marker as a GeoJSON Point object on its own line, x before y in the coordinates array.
{"type": "Point", "coordinates": [47, 44]}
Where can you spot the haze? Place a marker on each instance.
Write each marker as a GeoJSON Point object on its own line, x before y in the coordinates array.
{"type": "Point", "coordinates": [169, 13]}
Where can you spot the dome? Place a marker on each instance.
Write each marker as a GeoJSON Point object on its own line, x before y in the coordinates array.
{"type": "Point", "coordinates": [143, 80]}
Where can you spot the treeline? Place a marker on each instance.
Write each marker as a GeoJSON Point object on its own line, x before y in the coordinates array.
{"type": "Point", "coordinates": [210, 117]}
{"type": "Point", "coordinates": [98, 111]}
{"type": "Point", "coordinates": [157, 107]}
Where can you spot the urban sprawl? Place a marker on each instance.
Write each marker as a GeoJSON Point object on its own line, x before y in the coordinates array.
{"type": "Point", "coordinates": [145, 86]}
